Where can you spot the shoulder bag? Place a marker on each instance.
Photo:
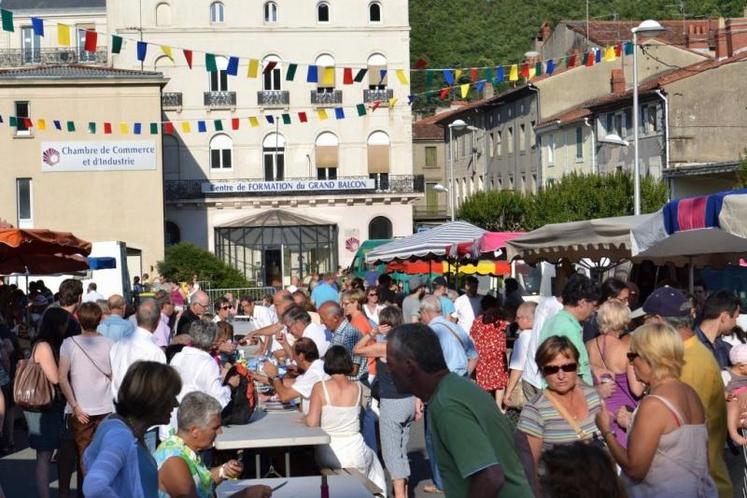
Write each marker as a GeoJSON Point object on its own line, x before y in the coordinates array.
{"type": "Point", "coordinates": [582, 435]}
{"type": "Point", "coordinates": [32, 390]}
{"type": "Point", "coordinates": [107, 375]}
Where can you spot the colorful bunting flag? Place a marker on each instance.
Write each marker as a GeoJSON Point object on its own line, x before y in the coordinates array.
{"type": "Point", "coordinates": [91, 41]}
{"type": "Point", "coordinates": [597, 56]}
{"type": "Point", "coordinates": [347, 76]}
{"type": "Point", "coordinates": [124, 128]}
{"type": "Point", "coordinates": [116, 44]}
{"type": "Point", "coordinates": [618, 50]}
{"type": "Point", "coordinates": [57, 125]}
{"type": "Point", "coordinates": [107, 128]}
{"type": "Point", "coordinates": [402, 77]}
{"type": "Point", "coordinates": [609, 54]}
{"type": "Point", "coordinates": [253, 121]}
{"type": "Point", "coordinates": [464, 90]}
{"type": "Point", "coordinates": [339, 113]}
{"type": "Point", "coordinates": [142, 50]}
{"type": "Point", "coordinates": [168, 128]}
{"type": "Point", "coordinates": [211, 65]}
{"type": "Point", "coordinates": [411, 99]}
{"type": "Point", "coordinates": [201, 127]}
{"type": "Point", "coordinates": [235, 123]}
{"type": "Point", "coordinates": [421, 63]}
{"type": "Point", "coordinates": [538, 69]}
{"type": "Point", "coordinates": [524, 71]}
{"type": "Point", "coordinates": [286, 118]}
{"type": "Point", "coordinates": [71, 126]}
{"type": "Point", "coordinates": [188, 57]}
{"type": "Point", "coordinates": [322, 114]}
{"type": "Point", "coordinates": [12, 121]}
{"type": "Point", "coordinates": [233, 66]}
{"type": "Point", "coordinates": [253, 68]}
{"type": "Point", "coordinates": [500, 74]}
{"type": "Point", "coordinates": [480, 86]}
{"type": "Point", "coordinates": [382, 76]}
{"type": "Point", "coordinates": [392, 102]}
{"type": "Point", "coordinates": [628, 48]}
{"type": "Point", "coordinates": [137, 128]}
{"type": "Point", "coordinates": [167, 52]}
{"type": "Point", "coordinates": [428, 79]}
{"type": "Point", "coordinates": [513, 75]}
{"type": "Point", "coordinates": [449, 77]}
{"type": "Point", "coordinates": [218, 124]}
{"type": "Point", "coordinates": [302, 117]}
{"type": "Point", "coordinates": [38, 24]}
{"type": "Point", "coordinates": [63, 34]}
{"type": "Point", "coordinates": [457, 74]}
{"type": "Point", "coordinates": [291, 72]}
{"type": "Point", "coordinates": [186, 128]}
{"type": "Point", "coordinates": [589, 59]}
{"type": "Point", "coordinates": [360, 76]}
{"type": "Point", "coordinates": [7, 20]}
{"type": "Point", "coordinates": [571, 61]}
{"type": "Point", "coordinates": [154, 128]}
{"type": "Point", "coordinates": [92, 127]}
{"type": "Point", "coordinates": [375, 105]}
{"type": "Point", "coordinates": [473, 74]}
{"type": "Point", "coordinates": [41, 123]}
{"type": "Point", "coordinates": [488, 74]}
{"type": "Point", "coordinates": [361, 108]}
{"type": "Point", "coordinates": [312, 75]}
{"type": "Point", "coordinates": [328, 77]}
{"type": "Point", "coordinates": [28, 123]}
{"type": "Point", "coordinates": [550, 67]}
{"type": "Point", "coordinates": [444, 93]}
{"type": "Point", "coordinates": [270, 119]}
{"type": "Point", "coordinates": [269, 67]}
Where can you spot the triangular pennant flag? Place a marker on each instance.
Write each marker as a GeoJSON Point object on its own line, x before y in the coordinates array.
{"type": "Point", "coordinates": [500, 74]}
{"type": "Point", "coordinates": [7, 19]}
{"type": "Point", "coordinates": [201, 127]}
{"type": "Point", "coordinates": [375, 105]}
{"type": "Point", "coordinates": [286, 118]}
{"type": "Point", "coordinates": [550, 67]}
{"type": "Point", "coordinates": [233, 66]}
{"type": "Point", "coordinates": [402, 77]}
{"type": "Point", "coordinates": [449, 77]}
{"type": "Point", "coordinates": [188, 57]}
{"type": "Point", "coordinates": [328, 77]}
{"type": "Point", "coordinates": [513, 75]}
{"type": "Point", "coordinates": [464, 90]}
{"type": "Point", "coordinates": [628, 48]}
{"type": "Point", "coordinates": [167, 52]}
{"type": "Point", "coordinates": [186, 128]}
{"type": "Point", "coordinates": [57, 124]}
{"type": "Point", "coordinates": [1, 119]}
{"type": "Point", "coordinates": [444, 93]}
{"type": "Point", "coordinates": [473, 74]}
{"type": "Point", "coordinates": [137, 128]}
{"type": "Point", "coordinates": [571, 61]}
{"type": "Point", "coordinates": [235, 123]}
{"type": "Point", "coordinates": [253, 121]}
{"type": "Point", "coordinates": [124, 129]}
{"type": "Point", "coordinates": [538, 69]}
{"type": "Point", "coordinates": [347, 76]}
{"type": "Point", "coordinates": [360, 75]}
{"type": "Point", "coordinates": [92, 127]}
{"type": "Point", "coordinates": [142, 50]}
{"type": "Point", "coordinates": [597, 55]}
{"type": "Point", "coordinates": [339, 113]}
{"type": "Point", "coordinates": [428, 79]}
{"type": "Point", "coordinates": [153, 128]}
{"type": "Point", "coordinates": [480, 86]}
{"type": "Point", "coordinates": [291, 72]}
{"type": "Point", "coordinates": [116, 44]}
{"type": "Point", "coordinates": [302, 117]}
{"type": "Point", "coordinates": [382, 75]}
{"type": "Point", "coordinates": [13, 122]}
{"type": "Point", "coordinates": [270, 66]}
{"type": "Point", "coordinates": [411, 99]}
{"type": "Point", "coordinates": [618, 50]}
{"type": "Point", "coordinates": [107, 128]}
{"type": "Point", "coordinates": [38, 24]}
{"type": "Point", "coordinates": [253, 68]}
{"type": "Point", "coordinates": [218, 124]}
{"type": "Point", "coordinates": [41, 123]}
{"type": "Point", "coordinates": [211, 65]}
{"type": "Point", "coordinates": [168, 128]}
{"type": "Point", "coordinates": [270, 119]}
{"type": "Point", "coordinates": [392, 102]}
{"type": "Point", "coordinates": [457, 75]}
{"type": "Point", "coordinates": [63, 35]}
{"type": "Point", "coordinates": [312, 75]}
{"type": "Point", "coordinates": [361, 108]}
{"type": "Point", "coordinates": [91, 41]}
{"type": "Point", "coordinates": [524, 70]}
{"type": "Point", "coordinates": [322, 113]}
{"type": "Point", "coordinates": [71, 126]}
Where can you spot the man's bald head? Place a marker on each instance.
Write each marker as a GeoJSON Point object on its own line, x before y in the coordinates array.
{"type": "Point", "coordinates": [116, 304]}
{"type": "Point", "coordinates": [279, 296]}
{"type": "Point", "coordinates": [331, 315]}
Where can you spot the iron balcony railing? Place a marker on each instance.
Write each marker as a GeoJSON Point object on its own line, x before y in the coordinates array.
{"type": "Point", "coordinates": [384, 95]}
{"type": "Point", "coordinates": [273, 98]}
{"type": "Point", "coordinates": [220, 100]}
{"type": "Point", "coordinates": [171, 100]}
{"type": "Point", "coordinates": [192, 189]}
{"type": "Point", "coordinates": [15, 57]}
{"type": "Point", "coordinates": [326, 98]}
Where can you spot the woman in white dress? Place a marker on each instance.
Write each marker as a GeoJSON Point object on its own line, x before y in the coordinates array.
{"type": "Point", "coordinates": [372, 307]}
{"type": "Point", "coordinates": [335, 405]}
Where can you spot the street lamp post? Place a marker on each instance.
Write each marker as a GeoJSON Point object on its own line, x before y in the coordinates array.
{"type": "Point", "coordinates": [457, 125]}
{"type": "Point", "coordinates": [650, 28]}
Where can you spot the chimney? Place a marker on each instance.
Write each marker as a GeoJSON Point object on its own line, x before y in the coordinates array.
{"type": "Point", "coordinates": [617, 81]}
{"type": "Point", "coordinates": [722, 40]}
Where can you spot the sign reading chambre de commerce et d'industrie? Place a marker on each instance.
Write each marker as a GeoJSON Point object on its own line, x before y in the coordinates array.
{"type": "Point", "coordinates": [122, 155]}
{"type": "Point", "coordinates": [289, 186]}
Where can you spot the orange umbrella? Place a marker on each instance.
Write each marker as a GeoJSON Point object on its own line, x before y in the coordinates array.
{"type": "Point", "coordinates": [41, 252]}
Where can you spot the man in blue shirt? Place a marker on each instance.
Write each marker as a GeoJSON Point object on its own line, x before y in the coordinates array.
{"type": "Point", "coordinates": [441, 289]}
{"type": "Point", "coordinates": [325, 291]}
{"type": "Point", "coordinates": [720, 313]}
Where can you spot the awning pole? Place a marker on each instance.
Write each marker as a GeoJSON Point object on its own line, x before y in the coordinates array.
{"type": "Point", "coordinates": [692, 275]}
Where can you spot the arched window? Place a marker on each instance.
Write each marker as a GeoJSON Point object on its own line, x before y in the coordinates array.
{"type": "Point", "coordinates": [326, 65]}
{"type": "Point", "coordinates": [378, 159]}
{"type": "Point", "coordinates": [221, 152]}
{"type": "Point", "coordinates": [380, 228]}
{"type": "Point", "coordinates": [172, 233]}
{"type": "Point", "coordinates": [271, 12]}
{"type": "Point", "coordinates": [327, 156]}
{"type": "Point", "coordinates": [322, 12]}
{"type": "Point", "coordinates": [219, 78]}
{"type": "Point", "coordinates": [273, 157]}
{"type": "Point", "coordinates": [216, 12]}
{"type": "Point", "coordinates": [377, 73]}
{"type": "Point", "coordinates": [163, 14]}
{"type": "Point", "coordinates": [171, 157]}
{"type": "Point", "coordinates": [374, 12]}
{"type": "Point", "coordinates": [271, 80]}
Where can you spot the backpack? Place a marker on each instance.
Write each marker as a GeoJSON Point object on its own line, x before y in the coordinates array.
{"type": "Point", "coordinates": [243, 402]}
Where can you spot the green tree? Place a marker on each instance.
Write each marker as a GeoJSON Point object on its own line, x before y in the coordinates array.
{"type": "Point", "coordinates": [495, 210]}
{"type": "Point", "coordinates": [184, 260]}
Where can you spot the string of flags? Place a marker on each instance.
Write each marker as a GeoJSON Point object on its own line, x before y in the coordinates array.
{"type": "Point", "coordinates": [186, 126]}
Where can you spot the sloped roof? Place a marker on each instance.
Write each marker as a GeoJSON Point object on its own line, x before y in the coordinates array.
{"type": "Point", "coordinates": [427, 129]}
{"type": "Point", "coordinates": [275, 218]}
{"type": "Point", "coordinates": [52, 4]}
{"type": "Point", "coordinates": [74, 71]}
{"type": "Point", "coordinates": [604, 33]}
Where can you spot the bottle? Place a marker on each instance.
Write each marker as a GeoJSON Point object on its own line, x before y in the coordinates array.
{"type": "Point", "coordinates": [324, 488]}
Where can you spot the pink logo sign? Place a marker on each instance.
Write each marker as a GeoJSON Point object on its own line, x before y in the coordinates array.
{"type": "Point", "coordinates": [51, 157]}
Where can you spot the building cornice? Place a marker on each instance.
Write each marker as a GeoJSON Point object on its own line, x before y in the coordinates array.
{"type": "Point", "coordinates": [322, 201]}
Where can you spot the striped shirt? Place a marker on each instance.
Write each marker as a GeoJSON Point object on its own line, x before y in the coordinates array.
{"type": "Point", "coordinates": [540, 419]}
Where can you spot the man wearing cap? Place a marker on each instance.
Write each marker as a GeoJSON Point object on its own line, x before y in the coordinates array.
{"type": "Point", "coordinates": [700, 371]}
{"type": "Point", "coordinates": [441, 289]}
{"type": "Point", "coordinates": [411, 304]}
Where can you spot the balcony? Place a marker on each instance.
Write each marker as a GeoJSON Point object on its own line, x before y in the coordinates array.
{"type": "Point", "coordinates": [220, 100]}
{"type": "Point", "coordinates": [323, 98]}
{"type": "Point", "coordinates": [16, 57]}
{"type": "Point", "coordinates": [175, 190]}
{"type": "Point", "coordinates": [273, 98]}
{"type": "Point", "coordinates": [384, 95]}
{"type": "Point", "coordinates": [171, 100]}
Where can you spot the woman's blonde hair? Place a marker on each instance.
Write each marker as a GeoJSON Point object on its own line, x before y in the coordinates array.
{"type": "Point", "coordinates": [613, 316]}
{"type": "Point", "coordinates": [355, 296]}
{"type": "Point", "coordinates": [661, 347]}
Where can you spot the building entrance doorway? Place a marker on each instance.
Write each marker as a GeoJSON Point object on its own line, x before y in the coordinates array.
{"type": "Point", "coordinates": [273, 263]}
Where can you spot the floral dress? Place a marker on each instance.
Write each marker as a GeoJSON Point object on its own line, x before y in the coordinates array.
{"type": "Point", "coordinates": [490, 342]}
{"type": "Point", "coordinates": [174, 446]}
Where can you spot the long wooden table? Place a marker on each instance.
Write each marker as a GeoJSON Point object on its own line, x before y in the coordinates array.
{"type": "Point", "coordinates": [347, 484]}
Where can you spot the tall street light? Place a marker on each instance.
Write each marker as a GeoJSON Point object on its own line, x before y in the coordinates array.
{"type": "Point", "coordinates": [646, 28]}
{"type": "Point", "coordinates": [457, 125]}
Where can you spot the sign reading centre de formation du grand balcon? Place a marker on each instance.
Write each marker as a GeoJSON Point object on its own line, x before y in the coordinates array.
{"type": "Point", "coordinates": [239, 187]}
{"type": "Point", "coordinates": [124, 155]}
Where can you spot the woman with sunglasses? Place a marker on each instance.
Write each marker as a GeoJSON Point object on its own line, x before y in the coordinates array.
{"type": "Point", "coordinates": [564, 412]}
{"type": "Point", "coordinates": [372, 307]}
{"type": "Point", "coordinates": [667, 453]}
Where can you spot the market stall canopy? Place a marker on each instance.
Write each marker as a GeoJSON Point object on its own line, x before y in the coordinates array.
{"type": "Point", "coordinates": [573, 241]}
{"type": "Point", "coordinates": [43, 264]}
{"type": "Point", "coordinates": [41, 252]}
{"type": "Point", "coordinates": [428, 244]}
{"type": "Point", "coordinates": [489, 243]}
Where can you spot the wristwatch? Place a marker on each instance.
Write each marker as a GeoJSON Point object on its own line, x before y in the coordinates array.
{"type": "Point", "coordinates": [273, 379]}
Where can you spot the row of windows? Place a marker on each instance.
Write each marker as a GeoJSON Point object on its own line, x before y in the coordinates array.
{"type": "Point", "coordinates": [269, 13]}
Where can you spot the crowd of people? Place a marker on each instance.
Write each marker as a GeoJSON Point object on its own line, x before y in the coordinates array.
{"type": "Point", "coordinates": [586, 393]}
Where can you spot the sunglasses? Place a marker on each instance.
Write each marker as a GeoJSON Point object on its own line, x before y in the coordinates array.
{"type": "Point", "coordinates": [553, 369]}
{"type": "Point", "coordinates": [225, 307]}
{"type": "Point", "coordinates": [632, 356]}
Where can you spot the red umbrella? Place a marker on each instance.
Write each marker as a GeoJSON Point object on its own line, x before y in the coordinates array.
{"type": "Point", "coordinates": [41, 252]}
